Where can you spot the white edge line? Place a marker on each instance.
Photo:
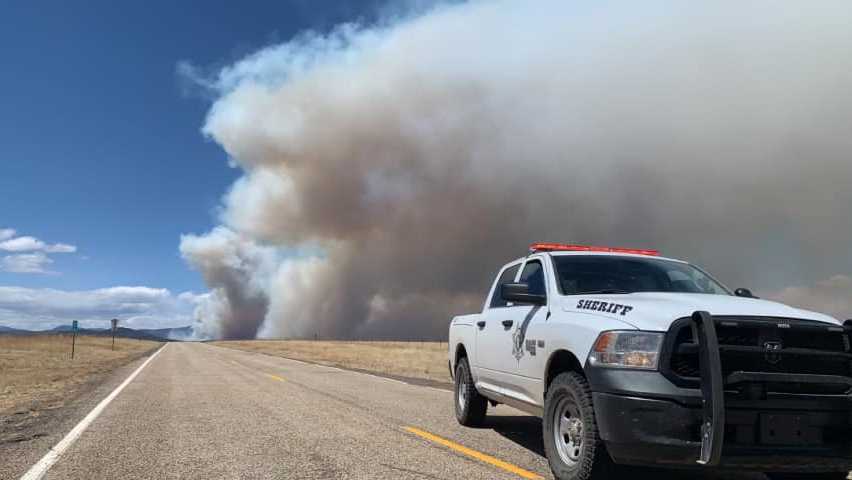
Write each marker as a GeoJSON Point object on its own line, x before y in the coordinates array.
{"type": "Point", "coordinates": [386, 379]}
{"type": "Point", "coordinates": [295, 361]}
{"type": "Point", "coordinates": [336, 369]}
{"type": "Point", "coordinates": [437, 389]}
{"type": "Point", "coordinates": [40, 469]}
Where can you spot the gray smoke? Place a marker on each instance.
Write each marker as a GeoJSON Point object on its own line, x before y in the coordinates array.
{"type": "Point", "coordinates": [389, 170]}
{"type": "Point", "coordinates": [235, 269]}
{"type": "Point", "coordinates": [832, 296]}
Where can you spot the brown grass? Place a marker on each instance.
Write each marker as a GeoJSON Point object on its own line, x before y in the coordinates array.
{"type": "Point", "coordinates": [36, 371]}
{"type": "Point", "coordinates": [408, 359]}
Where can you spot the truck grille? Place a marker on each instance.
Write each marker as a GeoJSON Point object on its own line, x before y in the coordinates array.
{"type": "Point", "coordinates": [760, 344]}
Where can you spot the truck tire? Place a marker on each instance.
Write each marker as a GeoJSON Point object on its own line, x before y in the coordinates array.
{"type": "Point", "coordinates": [571, 442]}
{"type": "Point", "coordinates": [470, 404]}
{"type": "Point", "coordinates": [807, 476]}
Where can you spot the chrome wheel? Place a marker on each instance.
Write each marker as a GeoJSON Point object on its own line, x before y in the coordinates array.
{"type": "Point", "coordinates": [470, 406]}
{"type": "Point", "coordinates": [568, 431]}
{"type": "Point", "coordinates": [462, 393]}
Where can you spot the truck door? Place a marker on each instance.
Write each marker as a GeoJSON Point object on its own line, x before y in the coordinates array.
{"type": "Point", "coordinates": [493, 339]}
{"type": "Point", "coordinates": [528, 336]}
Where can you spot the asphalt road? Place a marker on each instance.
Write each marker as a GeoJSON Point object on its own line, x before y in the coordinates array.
{"type": "Point", "coordinates": [199, 411]}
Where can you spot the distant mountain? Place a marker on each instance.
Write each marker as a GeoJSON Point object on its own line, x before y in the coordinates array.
{"type": "Point", "coordinates": [159, 334]}
{"type": "Point", "coordinates": [5, 329]}
{"type": "Point", "coordinates": [67, 328]}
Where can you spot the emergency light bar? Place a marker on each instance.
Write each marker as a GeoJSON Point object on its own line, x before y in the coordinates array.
{"type": "Point", "coordinates": [563, 247]}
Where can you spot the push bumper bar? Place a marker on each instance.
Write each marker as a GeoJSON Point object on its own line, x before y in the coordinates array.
{"type": "Point", "coordinates": [712, 390]}
{"type": "Point", "coordinates": [644, 419]}
{"type": "Point", "coordinates": [713, 387]}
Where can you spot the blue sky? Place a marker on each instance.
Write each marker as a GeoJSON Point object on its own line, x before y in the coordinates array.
{"type": "Point", "coordinates": [99, 136]}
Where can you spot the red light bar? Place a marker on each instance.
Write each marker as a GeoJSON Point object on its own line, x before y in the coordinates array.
{"type": "Point", "coordinates": [563, 247]}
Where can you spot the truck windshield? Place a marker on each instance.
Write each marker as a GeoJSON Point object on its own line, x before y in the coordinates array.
{"type": "Point", "coordinates": [589, 274]}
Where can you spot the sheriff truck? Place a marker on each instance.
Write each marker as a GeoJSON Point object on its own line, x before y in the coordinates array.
{"type": "Point", "coordinates": [630, 358]}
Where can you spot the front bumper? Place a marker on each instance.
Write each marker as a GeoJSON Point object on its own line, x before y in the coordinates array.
{"type": "Point", "coordinates": [735, 419]}
{"type": "Point", "coordinates": [664, 432]}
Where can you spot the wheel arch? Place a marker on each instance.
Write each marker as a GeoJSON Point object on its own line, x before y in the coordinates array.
{"type": "Point", "coordinates": [561, 361]}
{"type": "Point", "coordinates": [461, 351]}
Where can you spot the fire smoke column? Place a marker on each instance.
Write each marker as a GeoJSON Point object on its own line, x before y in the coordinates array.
{"type": "Point", "coordinates": [234, 269]}
{"type": "Point", "coordinates": [405, 161]}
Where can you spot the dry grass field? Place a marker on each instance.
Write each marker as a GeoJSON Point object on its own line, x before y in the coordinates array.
{"type": "Point", "coordinates": [408, 359]}
{"type": "Point", "coordinates": [37, 373]}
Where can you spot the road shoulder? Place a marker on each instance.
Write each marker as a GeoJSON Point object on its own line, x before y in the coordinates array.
{"type": "Point", "coordinates": [26, 436]}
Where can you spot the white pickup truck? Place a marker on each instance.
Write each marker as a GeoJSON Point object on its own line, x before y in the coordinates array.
{"type": "Point", "coordinates": [635, 359]}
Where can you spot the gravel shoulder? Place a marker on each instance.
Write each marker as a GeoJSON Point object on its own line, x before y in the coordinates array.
{"type": "Point", "coordinates": [43, 395]}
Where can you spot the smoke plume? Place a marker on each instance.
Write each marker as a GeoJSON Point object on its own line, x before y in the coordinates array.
{"type": "Point", "coordinates": [390, 169]}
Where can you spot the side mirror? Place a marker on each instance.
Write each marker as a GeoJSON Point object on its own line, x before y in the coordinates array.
{"type": "Point", "coordinates": [520, 293]}
{"type": "Point", "coordinates": [744, 292]}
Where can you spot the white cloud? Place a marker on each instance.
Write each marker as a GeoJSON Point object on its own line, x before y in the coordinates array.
{"type": "Point", "coordinates": [22, 244]}
{"type": "Point", "coordinates": [29, 244]}
{"type": "Point", "coordinates": [25, 263]}
{"type": "Point", "coordinates": [135, 307]}
{"type": "Point", "coordinates": [29, 252]}
{"type": "Point", "coordinates": [60, 248]}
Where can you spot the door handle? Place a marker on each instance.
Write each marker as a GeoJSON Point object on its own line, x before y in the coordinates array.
{"type": "Point", "coordinates": [480, 324]}
{"type": "Point", "coordinates": [508, 323]}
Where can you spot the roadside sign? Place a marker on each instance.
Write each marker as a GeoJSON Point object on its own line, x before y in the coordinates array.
{"type": "Point", "coordinates": [114, 328]}
{"type": "Point", "coordinates": [73, 337]}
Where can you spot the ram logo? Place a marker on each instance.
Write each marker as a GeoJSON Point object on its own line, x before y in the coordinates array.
{"type": "Point", "coordinates": [772, 351]}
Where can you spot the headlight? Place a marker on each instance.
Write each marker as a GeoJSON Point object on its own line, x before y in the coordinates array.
{"type": "Point", "coordinates": [627, 349]}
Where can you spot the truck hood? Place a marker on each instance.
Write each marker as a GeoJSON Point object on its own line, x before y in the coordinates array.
{"type": "Point", "coordinates": [657, 310]}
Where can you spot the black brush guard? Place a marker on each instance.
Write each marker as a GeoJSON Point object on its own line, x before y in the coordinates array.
{"type": "Point", "coordinates": [712, 390]}
{"type": "Point", "coordinates": [713, 387]}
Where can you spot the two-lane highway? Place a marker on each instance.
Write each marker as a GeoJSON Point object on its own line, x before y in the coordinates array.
{"type": "Point", "coordinates": [199, 411]}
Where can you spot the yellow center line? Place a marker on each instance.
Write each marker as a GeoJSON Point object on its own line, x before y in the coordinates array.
{"type": "Point", "coordinates": [274, 377]}
{"type": "Point", "coordinates": [473, 453]}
